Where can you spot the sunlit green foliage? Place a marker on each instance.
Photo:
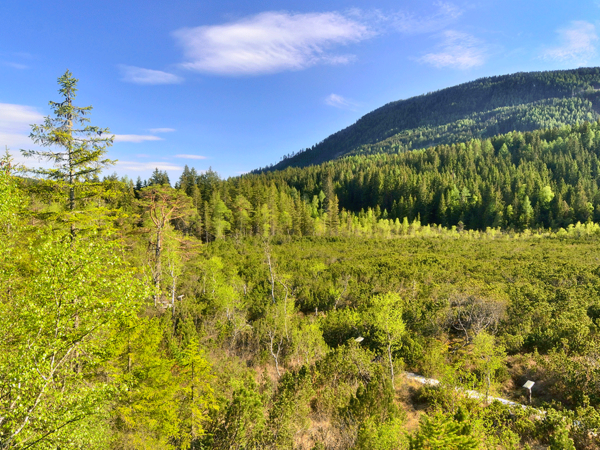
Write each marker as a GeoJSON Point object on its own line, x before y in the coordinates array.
{"type": "Point", "coordinates": [63, 304]}
{"type": "Point", "coordinates": [280, 310]}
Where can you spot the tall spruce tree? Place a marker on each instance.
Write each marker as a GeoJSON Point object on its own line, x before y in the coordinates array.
{"type": "Point", "coordinates": [75, 149]}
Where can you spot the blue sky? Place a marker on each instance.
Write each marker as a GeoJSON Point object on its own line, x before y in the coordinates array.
{"type": "Point", "coordinates": [235, 85]}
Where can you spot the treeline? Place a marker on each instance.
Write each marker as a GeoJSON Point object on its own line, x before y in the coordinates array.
{"type": "Point", "coordinates": [521, 102]}
{"type": "Point", "coordinates": [546, 179]}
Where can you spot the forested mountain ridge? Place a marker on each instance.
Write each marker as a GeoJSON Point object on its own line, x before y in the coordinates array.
{"type": "Point", "coordinates": [478, 109]}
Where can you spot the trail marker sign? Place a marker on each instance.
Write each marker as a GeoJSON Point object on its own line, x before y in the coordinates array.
{"type": "Point", "coordinates": [528, 385]}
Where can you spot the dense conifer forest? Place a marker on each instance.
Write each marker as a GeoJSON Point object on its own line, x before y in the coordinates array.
{"type": "Point", "coordinates": [284, 309]}
{"type": "Point", "coordinates": [545, 179]}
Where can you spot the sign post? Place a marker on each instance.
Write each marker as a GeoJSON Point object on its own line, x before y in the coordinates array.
{"type": "Point", "coordinates": [528, 386]}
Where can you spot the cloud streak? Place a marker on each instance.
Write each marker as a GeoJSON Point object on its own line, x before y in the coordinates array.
{"type": "Point", "coordinates": [337, 101]}
{"type": "Point", "coordinates": [458, 51]}
{"type": "Point", "coordinates": [15, 65]}
{"type": "Point", "coordinates": [137, 166]}
{"type": "Point", "coordinates": [187, 156]}
{"type": "Point", "coordinates": [136, 138]}
{"type": "Point", "coordinates": [161, 130]}
{"type": "Point", "coordinates": [577, 43]}
{"type": "Point", "coordinates": [410, 23]}
{"type": "Point", "coordinates": [15, 124]}
{"type": "Point", "coordinates": [270, 42]}
{"type": "Point", "coordinates": [139, 75]}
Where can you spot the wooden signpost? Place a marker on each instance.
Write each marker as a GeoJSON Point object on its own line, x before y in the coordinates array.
{"type": "Point", "coordinates": [528, 386]}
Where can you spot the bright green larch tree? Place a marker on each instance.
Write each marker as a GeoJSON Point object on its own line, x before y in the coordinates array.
{"type": "Point", "coordinates": [384, 315]}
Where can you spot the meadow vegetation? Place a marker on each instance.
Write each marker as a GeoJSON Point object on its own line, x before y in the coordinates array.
{"type": "Point", "coordinates": [282, 310]}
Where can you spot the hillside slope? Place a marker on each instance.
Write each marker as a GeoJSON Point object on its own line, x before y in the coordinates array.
{"type": "Point", "coordinates": [478, 109]}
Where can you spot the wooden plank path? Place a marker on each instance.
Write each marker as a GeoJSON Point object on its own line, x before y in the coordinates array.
{"type": "Point", "coordinates": [474, 394]}
{"type": "Point", "coordinates": [469, 393]}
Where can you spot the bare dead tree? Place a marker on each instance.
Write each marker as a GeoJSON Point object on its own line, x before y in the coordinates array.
{"type": "Point", "coordinates": [267, 250]}
{"type": "Point", "coordinates": [275, 355]}
{"type": "Point", "coordinates": [471, 314]}
{"type": "Point", "coordinates": [162, 204]}
{"type": "Point", "coordinates": [346, 279]}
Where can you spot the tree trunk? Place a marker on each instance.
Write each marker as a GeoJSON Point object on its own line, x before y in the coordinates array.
{"type": "Point", "coordinates": [157, 266]}
{"type": "Point", "coordinates": [389, 349]}
{"type": "Point", "coordinates": [275, 355]}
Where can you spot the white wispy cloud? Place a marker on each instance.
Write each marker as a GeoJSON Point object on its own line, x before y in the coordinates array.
{"type": "Point", "coordinates": [18, 117]}
{"type": "Point", "coordinates": [16, 60]}
{"type": "Point", "coordinates": [338, 101]}
{"type": "Point", "coordinates": [270, 42]}
{"type": "Point", "coordinates": [458, 51]}
{"type": "Point", "coordinates": [138, 166]}
{"type": "Point", "coordinates": [577, 43]}
{"type": "Point", "coordinates": [136, 138]}
{"type": "Point", "coordinates": [411, 23]}
{"type": "Point", "coordinates": [15, 65]}
{"type": "Point", "coordinates": [139, 75]}
{"type": "Point", "coordinates": [15, 125]}
{"type": "Point", "coordinates": [161, 130]}
{"type": "Point", "coordinates": [186, 156]}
